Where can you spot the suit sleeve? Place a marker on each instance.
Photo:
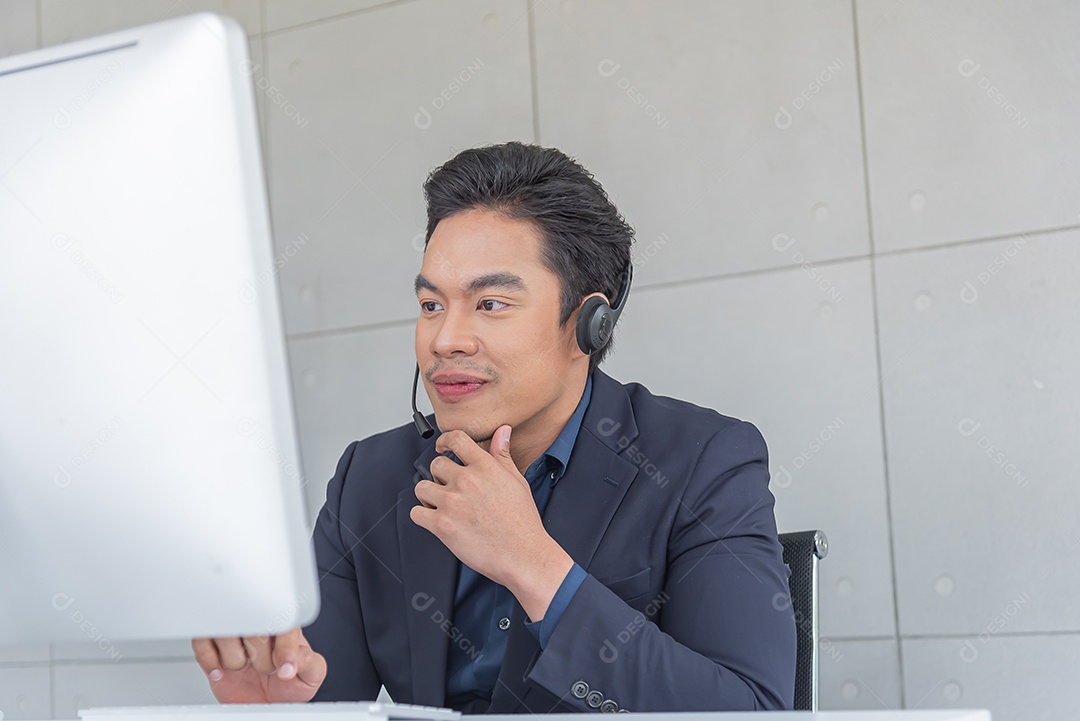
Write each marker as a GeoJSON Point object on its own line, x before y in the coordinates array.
{"type": "Point", "coordinates": [338, 632]}
{"type": "Point", "coordinates": [721, 634]}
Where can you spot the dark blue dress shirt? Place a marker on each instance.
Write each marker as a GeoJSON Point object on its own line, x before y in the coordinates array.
{"type": "Point", "coordinates": [482, 608]}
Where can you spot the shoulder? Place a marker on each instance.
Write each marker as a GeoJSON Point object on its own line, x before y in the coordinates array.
{"type": "Point", "coordinates": [671, 440]}
{"type": "Point", "coordinates": [377, 466]}
{"type": "Point", "coordinates": [674, 422]}
{"type": "Point", "coordinates": [705, 459]}
{"type": "Point", "coordinates": [392, 445]}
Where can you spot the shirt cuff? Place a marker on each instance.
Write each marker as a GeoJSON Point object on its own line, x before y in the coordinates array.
{"type": "Point", "coordinates": [542, 629]}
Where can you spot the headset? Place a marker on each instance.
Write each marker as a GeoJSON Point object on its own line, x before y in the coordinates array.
{"type": "Point", "coordinates": [595, 324]}
{"type": "Point", "coordinates": [597, 319]}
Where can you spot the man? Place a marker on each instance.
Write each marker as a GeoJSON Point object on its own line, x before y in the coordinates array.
{"type": "Point", "coordinates": [565, 543]}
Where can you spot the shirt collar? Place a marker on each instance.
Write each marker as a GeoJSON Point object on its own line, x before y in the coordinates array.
{"type": "Point", "coordinates": [557, 456]}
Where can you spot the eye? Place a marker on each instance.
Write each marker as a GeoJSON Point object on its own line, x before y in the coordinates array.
{"type": "Point", "coordinates": [429, 306]}
{"type": "Point", "coordinates": [491, 304]}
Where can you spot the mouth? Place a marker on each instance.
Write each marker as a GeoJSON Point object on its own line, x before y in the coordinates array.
{"type": "Point", "coordinates": [452, 387]}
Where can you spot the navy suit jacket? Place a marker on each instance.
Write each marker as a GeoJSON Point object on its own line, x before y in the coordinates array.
{"type": "Point", "coordinates": [664, 503]}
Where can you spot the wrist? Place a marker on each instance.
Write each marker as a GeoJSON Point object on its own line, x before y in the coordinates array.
{"type": "Point", "coordinates": [534, 583]}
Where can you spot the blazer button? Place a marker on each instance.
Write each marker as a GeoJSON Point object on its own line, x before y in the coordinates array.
{"type": "Point", "coordinates": [580, 689]}
{"type": "Point", "coordinates": [609, 706]}
{"type": "Point", "coordinates": [594, 699]}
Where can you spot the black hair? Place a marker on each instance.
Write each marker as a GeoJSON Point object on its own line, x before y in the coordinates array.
{"type": "Point", "coordinates": [586, 240]}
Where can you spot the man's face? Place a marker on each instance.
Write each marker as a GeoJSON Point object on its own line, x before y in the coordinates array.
{"type": "Point", "coordinates": [488, 339]}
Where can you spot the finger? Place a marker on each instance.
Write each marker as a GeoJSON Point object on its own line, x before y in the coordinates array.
{"type": "Point", "coordinates": [500, 451]}
{"type": "Point", "coordinates": [463, 447]}
{"type": "Point", "coordinates": [444, 471]}
{"type": "Point", "coordinates": [232, 653]}
{"type": "Point", "coordinates": [206, 656]}
{"type": "Point", "coordinates": [294, 656]}
{"type": "Point", "coordinates": [500, 443]}
{"type": "Point", "coordinates": [311, 666]}
{"type": "Point", "coordinates": [259, 650]}
{"type": "Point", "coordinates": [429, 493]}
{"type": "Point", "coordinates": [423, 517]}
{"type": "Point", "coordinates": [286, 653]}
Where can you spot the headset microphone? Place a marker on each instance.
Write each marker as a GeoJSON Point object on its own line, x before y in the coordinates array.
{"type": "Point", "coordinates": [422, 426]}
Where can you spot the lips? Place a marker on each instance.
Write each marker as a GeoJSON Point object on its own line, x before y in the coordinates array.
{"type": "Point", "coordinates": [453, 386]}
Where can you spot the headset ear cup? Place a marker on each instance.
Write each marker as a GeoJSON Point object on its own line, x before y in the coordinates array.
{"type": "Point", "coordinates": [589, 321]}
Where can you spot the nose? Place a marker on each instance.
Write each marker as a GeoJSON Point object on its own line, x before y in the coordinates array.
{"type": "Point", "coordinates": [455, 334]}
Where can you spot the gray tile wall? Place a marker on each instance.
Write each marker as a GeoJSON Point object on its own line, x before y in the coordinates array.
{"type": "Point", "coordinates": [858, 227]}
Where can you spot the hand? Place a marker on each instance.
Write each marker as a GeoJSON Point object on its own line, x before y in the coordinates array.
{"type": "Point", "coordinates": [484, 512]}
{"type": "Point", "coordinates": [261, 669]}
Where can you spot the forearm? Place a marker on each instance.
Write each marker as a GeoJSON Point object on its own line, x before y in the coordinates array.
{"type": "Point", "coordinates": [622, 654]}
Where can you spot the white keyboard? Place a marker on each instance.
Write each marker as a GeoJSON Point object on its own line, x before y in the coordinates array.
{"type": "Point", "coordinates": [339, 711]}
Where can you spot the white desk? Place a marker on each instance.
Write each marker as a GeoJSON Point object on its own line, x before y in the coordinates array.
{"type": "Point", "coordinates": [321, 712]}
{"type": "Point", "coordinates": [936, 715]}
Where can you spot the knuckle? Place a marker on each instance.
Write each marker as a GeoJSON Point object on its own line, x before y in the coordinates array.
{"type": "Point", "coordinates": [234, 663]}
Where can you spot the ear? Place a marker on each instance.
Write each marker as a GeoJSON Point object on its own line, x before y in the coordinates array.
{"type": "Point", "coordinates": [594, 295]}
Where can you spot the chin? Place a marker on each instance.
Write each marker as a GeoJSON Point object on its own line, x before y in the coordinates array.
{"type": "Point", "coordinates": [479, 431]}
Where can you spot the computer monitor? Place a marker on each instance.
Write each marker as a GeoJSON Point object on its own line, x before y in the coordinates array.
{"type": "Point", "coordinates": [150, 483]}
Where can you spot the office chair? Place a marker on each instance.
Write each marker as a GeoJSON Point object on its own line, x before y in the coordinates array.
{"type": "Point", "coordinates": [802, 549]}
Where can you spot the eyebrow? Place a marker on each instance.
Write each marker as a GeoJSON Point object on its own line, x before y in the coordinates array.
{"type": "Point", "coordinates": [502, 280]}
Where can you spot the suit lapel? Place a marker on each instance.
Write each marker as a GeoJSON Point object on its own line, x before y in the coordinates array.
{"type": "Point", "coordinates": [586, 498]}
{"type": "Point", "coordinates": [429, 576]}
{"type": "Point", "coordinates": [580, 510]}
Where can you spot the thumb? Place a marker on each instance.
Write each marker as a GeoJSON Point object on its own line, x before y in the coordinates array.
{"type": "Point", "coordinates": [286, 653]}
{"type": "Point", "coordinates": [500, 445]}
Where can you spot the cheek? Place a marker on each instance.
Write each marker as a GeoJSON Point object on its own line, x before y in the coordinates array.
{"type": "Point", "coordinates": [425, 332]}
{"type": "Point", "coordinates": [539, 357]}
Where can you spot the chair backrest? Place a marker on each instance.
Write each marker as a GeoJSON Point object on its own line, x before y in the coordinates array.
{"type": "Point", "coordinates": [802, 549]}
